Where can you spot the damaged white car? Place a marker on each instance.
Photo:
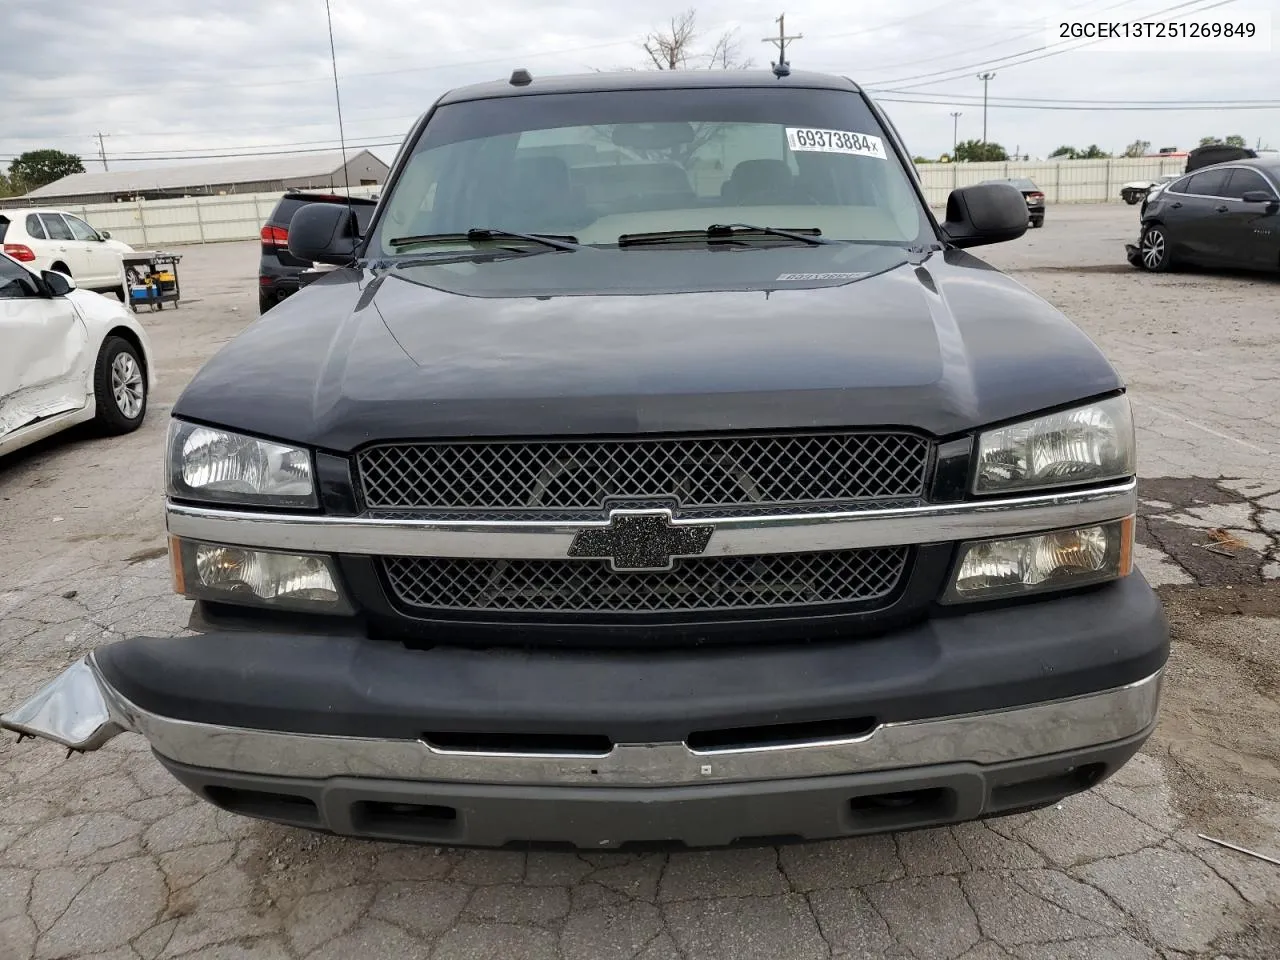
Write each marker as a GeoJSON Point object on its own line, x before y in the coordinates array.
{"type": "Point", "coordinates": [69, 356]}
{"type": "Point", "coordinates": [1136, 190]}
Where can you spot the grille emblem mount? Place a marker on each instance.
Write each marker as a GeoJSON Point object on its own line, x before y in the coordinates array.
{"type": "Point", "coordinates": [641, 541]}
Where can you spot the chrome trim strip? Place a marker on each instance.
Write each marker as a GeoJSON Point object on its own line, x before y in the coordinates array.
{"type": "Point", "coordinates": [1035, 730]}
{"type": "Point", "coordinates": [550, 540]}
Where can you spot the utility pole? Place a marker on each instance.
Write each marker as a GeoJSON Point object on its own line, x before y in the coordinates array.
{"type": "Point", "coordinates": [985, 78]}
{"type": "Point", "coordinates": [102, 149]}
{"type": "Point", "coordinates": [782, 67]}
{"type": "Point", "coordinates": [955, 133]}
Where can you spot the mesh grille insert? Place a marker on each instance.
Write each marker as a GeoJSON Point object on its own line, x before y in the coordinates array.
{"type": "Point", "coordinates": [698, 584]}
{"type": "Point", "coordinates": [695, 472]}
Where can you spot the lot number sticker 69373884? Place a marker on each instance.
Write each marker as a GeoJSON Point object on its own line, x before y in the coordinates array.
{"type": "Point", "coordinates": [835, 141]}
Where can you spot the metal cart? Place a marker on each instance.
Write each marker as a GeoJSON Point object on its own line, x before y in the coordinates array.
{"type": "Point", "coordinates": [152, 278]}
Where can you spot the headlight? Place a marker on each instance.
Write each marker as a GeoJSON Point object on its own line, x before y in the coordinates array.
{"type": "Point", "coordinates": [257, 578]}
{"type": "Point", "coordinates": [1059, 560]}
{"type": "Point", "coordinates": [223, 467]}
{"type": "Point", "coordinates": [1081, 445]}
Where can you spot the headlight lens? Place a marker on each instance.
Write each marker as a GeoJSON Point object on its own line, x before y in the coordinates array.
{"type": "Point", "coordinates": [1082, 445]}
{"type": "Point", "coordinates": [1062, 559]}
{"type": "Point", "coordinates": [259, 578]}
{"type": "Point", "coordinates": [224, 467]}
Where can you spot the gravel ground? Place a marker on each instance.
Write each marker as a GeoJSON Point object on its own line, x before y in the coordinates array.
{"type": "Point", "coordinates": [104, 856]}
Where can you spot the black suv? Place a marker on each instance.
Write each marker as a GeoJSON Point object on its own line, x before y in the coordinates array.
{"type": "Point", "coordinates": [654, 468]}
{"type": "Point", "coordinates": [278, 269]}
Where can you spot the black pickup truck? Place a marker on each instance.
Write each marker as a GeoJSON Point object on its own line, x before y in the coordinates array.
{"type": "Point", "coordinates": [653, 469]}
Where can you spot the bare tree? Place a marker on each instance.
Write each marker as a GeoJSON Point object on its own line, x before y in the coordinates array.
{"type": "Point", "coordinates": [676, 47]}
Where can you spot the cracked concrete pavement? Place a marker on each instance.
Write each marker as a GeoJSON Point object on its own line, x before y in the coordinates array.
{"type": "Point", "coordinates": [104, 856]}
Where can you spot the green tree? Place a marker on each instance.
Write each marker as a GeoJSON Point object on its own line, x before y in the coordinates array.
{"type": "Point", "coordinates": [1138, 148]}
{"type": "Point", "coordinates": [35, 168]}
{"type": "Point", "coordinates": [1205, 141]}
{"type": "Point", "coordinates": [975, 151]}
{"type": "Point", "coordinates": [1094, 152]}
{"type": "Point", "coordinates": [1065, 153]}
{"type": "Point", "coordinates": [1235, 140]}
{"type": "Point", "coordinates": [6, 188]}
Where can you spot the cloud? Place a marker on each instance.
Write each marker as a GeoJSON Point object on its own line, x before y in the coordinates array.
{"type": "Point", "coordinates": [191, 75]}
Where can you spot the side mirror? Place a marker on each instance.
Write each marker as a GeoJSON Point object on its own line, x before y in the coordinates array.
{"type": "Point", "coordinates": [56, 284]}
{"type": "Point", "coordinates": [324, 232]}
{"type": "Point", "coordinates": [104, 234]}
{"type": "Point", "coordinates": [985, 213]}
{"type": "Point", "coordinates": [1259, 196]}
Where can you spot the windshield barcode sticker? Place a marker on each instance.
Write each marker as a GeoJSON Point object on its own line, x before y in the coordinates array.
{"type": "Point", "coordinates": [835, 141]}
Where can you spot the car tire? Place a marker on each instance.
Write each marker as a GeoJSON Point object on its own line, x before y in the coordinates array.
{"type": "Point", "coordinates": [123, 293]}
{"type": "Point", "coordinates": [1131, 198]}
{"type": "Point", "coordinates": [61, 268]}
{"type": "Point", "coordinates": [119, 387]}
{"type": "Point", "coordinates": [1037, 222]}
{"type": "Point", "coordinates": [1153, 249]}
{"type": "Point", "coordinates": [265, 304]}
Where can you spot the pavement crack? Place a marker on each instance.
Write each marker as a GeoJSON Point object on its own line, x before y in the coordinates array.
{"type": "Point", "coordinates": [671, 935]}
{"type": "Point", "coordinates": [817, 925]}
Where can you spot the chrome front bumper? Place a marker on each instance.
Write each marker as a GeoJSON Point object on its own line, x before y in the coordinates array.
{"type": "Point", "coordinates": [81, 711]}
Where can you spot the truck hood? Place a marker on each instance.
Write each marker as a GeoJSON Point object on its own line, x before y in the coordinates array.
{"type": "Point", "coordinates": [561, 344]}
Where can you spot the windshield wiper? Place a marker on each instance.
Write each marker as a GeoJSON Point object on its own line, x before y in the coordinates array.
{"type": "Point", "coordinates": [488, 235]}
{"type": "Point", "coordinates": [725, 231]}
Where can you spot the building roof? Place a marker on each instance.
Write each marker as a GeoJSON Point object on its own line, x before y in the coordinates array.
{"type": "Point", "coordinates": [648, 80]}
{"type": "Point", "coordinates": [196, 175]}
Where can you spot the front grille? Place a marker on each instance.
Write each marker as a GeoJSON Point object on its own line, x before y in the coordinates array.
{"type": "Point", "coordinates": [697, 584]}
{"type": "Point", "coordinates": [708, 472]}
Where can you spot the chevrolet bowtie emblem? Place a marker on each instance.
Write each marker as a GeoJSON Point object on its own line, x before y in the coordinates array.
{"type": "Point", "coordinates": [641, 540]}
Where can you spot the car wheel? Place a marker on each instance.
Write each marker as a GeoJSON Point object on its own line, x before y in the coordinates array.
{"type": "Point", "coordinates": [61, 268]}
{"type": "Point", "coordinates": [265, 304]}
{"type": "Point", "coordinates": [119, 387]}
{"type": "Point", "coordinates": [1037, 222]}
{"type": "Point", "coordinates": [1153, 249]}
{"type": "Point", "coordinates": [1131, 198]}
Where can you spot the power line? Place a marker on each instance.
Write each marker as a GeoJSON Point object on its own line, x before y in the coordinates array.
{"type": "Point", "coordinates": [1275, 105]}
{"type": "Point", "coordinates": [200, 84]}
{"type": "Point", "coordinates": [260, 153]}
{"type": "Point", "coordinates": [1042, 52]}
{"type": "Point", "coordinates": [996, 43]}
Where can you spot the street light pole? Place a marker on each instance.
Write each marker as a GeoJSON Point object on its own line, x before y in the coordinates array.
{"type": "Point", "coordinates": [955, 133]}
{"type": "Point", "coordinates": [985, 78]}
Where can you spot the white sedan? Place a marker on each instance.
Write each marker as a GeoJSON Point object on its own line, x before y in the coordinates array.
{"type": "Point", "coordinates": [55, 240]}
{"type": "Point", "coordinates": [68, 356]}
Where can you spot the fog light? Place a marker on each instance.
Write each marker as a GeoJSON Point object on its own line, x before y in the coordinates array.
{"type": "Point", "coordinates": [1059, 560]}
{"type": "Point", "coordinates": [238, 575]}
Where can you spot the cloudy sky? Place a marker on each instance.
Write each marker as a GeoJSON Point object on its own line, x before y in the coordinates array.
{"type": "Point", "coordinates": [195, 77]}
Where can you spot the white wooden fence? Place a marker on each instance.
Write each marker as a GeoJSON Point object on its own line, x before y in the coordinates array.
{"type": "Point", "coordinates": [148, 224]}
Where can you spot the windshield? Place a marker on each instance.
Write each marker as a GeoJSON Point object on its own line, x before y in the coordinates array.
{"type": "Point", "coordinates": [598, 166]}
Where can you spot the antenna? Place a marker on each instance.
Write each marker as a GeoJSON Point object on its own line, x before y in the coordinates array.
{"type": "Point", "coordinates": [782, 68]}
{"type": "Point", "coordinates": [342, 138]}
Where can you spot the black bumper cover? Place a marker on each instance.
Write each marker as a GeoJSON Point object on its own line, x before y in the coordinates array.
{"type": "Point", "coordinates": [353, 686]}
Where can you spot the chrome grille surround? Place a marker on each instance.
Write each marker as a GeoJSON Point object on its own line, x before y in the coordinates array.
{"type": "Point", "coordinates": [702, 584]}
{"type": "Point", "coordinates": [696, 473]}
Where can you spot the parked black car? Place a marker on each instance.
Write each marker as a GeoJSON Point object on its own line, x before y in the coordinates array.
{"type": "Point", "coordinates": [278, 269]}
{"type": "Point", "coordinates": [1033, 196]}
{"type": "Point", "coordinates": [591, 502]}
{"type": "Point", "coordinates": [1226, 215]}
